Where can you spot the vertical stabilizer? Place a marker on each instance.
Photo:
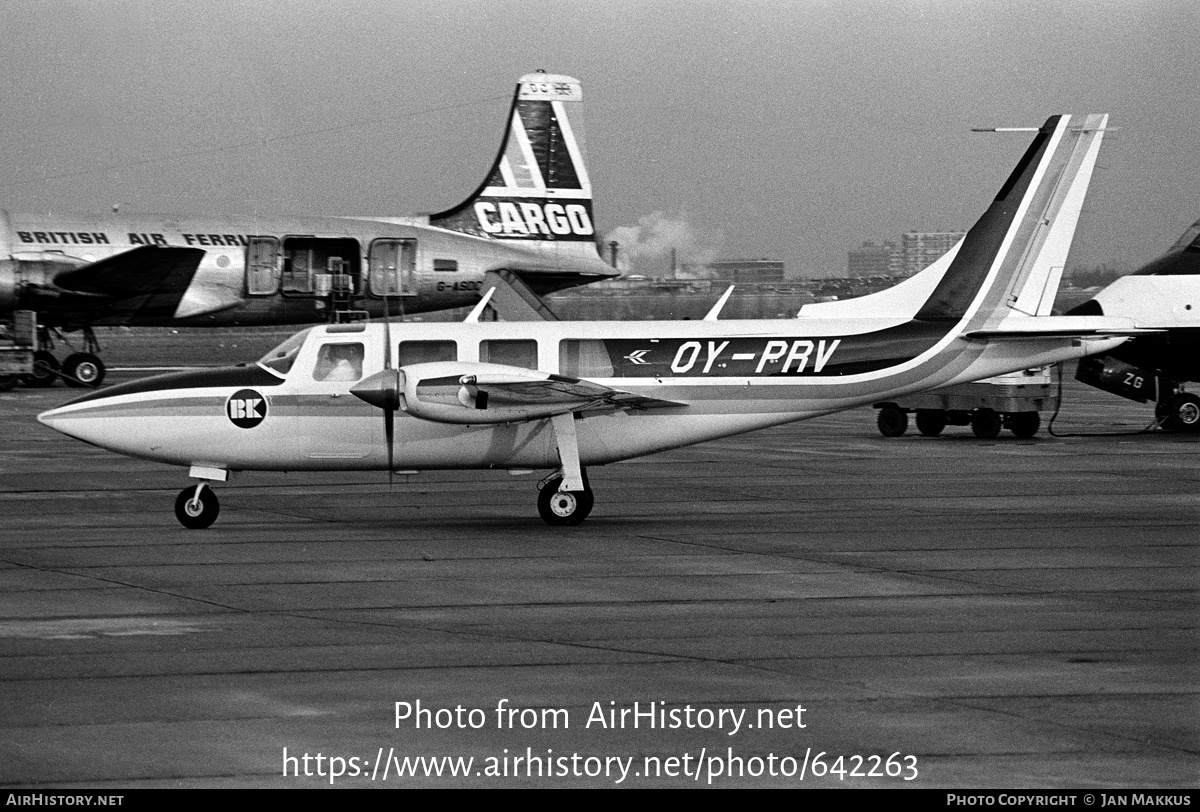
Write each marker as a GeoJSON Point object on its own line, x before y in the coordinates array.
{"type": "Point", "coordinates": [538, 190]}
{"type": "Point", "coordinates": [1033, 291]}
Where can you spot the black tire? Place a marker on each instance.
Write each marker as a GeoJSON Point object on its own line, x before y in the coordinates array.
{"type": "Point", "coordinates": [83, 370]}
{"type": "Point", "coordinates": [892, 421]}
{"type": "Point", "coordinates": [986, 424]}
{"type": "Point", "coordinates": [564, 508]}
{"type": "Point", "coordinates": [1024, 424]}
{"type": "Point", "coordinates": [45, 370]}
{"type": "Point", "coordinates": [197, 514]}
{"type": "Point", "coordinates": [7, 382]}
{"type": "Point", "coordinates": [931, 422]}
{"type": "Point", "coordinates": [1184, 414]}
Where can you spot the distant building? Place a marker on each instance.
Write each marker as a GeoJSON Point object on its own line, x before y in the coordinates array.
{"type": "Point", "coordinates": [740, 271]}
{"type": "Point", "coordinates": [916, 251]}
{"type": "Point", "coordinates": [919, 249]}
{"type": "Point", "coordinates": [873, 259]}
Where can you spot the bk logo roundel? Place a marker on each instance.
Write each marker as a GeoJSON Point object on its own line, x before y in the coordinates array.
{"type": "Point", "coordinates": [246, 408]}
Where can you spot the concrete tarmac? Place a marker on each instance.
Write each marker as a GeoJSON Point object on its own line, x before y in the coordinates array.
{"type": "Point", "coordinates": [955, 612]}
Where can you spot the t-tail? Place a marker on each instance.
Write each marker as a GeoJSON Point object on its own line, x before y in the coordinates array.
{"type": "Point", "coordinates": [1001, 285]}
{"type": "Point", "coordinates": [538, 193]}
{"type": "Point", "coordinates": [1009, 265]}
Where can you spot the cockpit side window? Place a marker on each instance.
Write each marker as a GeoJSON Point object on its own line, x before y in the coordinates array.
{"type": "Point", "coordinates": [280, 359]}
{"type": "Point", "coordinates": [339, 362]}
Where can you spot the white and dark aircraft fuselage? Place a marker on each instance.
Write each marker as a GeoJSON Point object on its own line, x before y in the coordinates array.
{"type": "Point", "coordinates": [567, 395]}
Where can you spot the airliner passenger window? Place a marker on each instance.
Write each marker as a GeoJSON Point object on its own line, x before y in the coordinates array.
{"type": "Point", "coordinates": [339, 362]}
{"type": "Point", "coordinates": [516, 353]}
{"type": "Point", "coordinates": [423, 352]}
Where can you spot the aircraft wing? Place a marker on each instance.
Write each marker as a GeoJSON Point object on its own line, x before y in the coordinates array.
{"type": "Point", "coordinates": [475, 393]}
{"type": "Point", "coordinates": [510, 390]}
{"type": "Point", "coordinates": [146, 271]}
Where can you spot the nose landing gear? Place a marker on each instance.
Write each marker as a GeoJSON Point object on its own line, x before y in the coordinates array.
{"type": "Point", "coordinates": [197, 507]}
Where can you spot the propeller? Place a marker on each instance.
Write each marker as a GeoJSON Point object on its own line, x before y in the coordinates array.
{"type": "Point", "coordinates": [393, 393]}
{"type": "Point", "coordinates": [383, 390]}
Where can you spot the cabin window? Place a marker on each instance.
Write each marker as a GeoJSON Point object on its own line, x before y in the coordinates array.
{"type": "Point", "coordinates": [423, 352]}
{"type": "Point", "coordinates": [282, 357]}
{"type": "Point", "coordinates": [339, 362]}
{"type": "Point", "coordinates": [516, 353]}
{"type": "Point", "coordinates": [586, 358]}
{"type": "Point", "coordinates": [448, 265]}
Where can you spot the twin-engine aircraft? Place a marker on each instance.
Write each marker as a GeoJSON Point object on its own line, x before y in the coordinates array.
{"type": "Point", "coordinates": [569, 395]}
{"type": "Point", "coordinates": [531, 216]}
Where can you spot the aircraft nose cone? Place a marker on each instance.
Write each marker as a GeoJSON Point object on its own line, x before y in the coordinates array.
{"type": "Point", "coordinates": [57, 420]}
{"type": "Point", "coordinates": [381, 389]}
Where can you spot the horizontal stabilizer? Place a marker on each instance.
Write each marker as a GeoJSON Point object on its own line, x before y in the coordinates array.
{"type": "Point", "coordinates": [144, 271]}
{"type": "Point", "coordinates": [1060, 327]}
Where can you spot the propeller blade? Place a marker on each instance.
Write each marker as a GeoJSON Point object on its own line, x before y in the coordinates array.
{"type": "Point", "coordinates": [389, 417]}
{"type": "Point", "coordinates": [389, 429]}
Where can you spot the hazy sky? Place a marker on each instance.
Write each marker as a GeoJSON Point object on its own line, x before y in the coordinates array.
{"type": "Point", "coordinates": [790, 130]}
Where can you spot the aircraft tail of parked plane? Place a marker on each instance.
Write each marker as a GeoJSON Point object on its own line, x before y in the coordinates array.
{"type": "Point", "coordinates": [532, 217]}
{"type": "Point", "coordinates": [1033, 288]}
{"type": "Point", "coordinates": [568, 395]}
{"type": "Point", "coordinates": [538, 193]}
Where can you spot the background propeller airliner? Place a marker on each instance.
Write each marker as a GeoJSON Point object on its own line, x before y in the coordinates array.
{"type": "Point", "coordinates": [531, 217]}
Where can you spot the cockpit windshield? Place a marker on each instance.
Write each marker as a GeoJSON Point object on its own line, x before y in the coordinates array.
{"type": "Point", "coordinates": [280, 359]}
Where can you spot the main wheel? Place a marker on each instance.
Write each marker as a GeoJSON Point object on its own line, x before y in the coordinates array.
{"type": "Point", "coordinates": [561, 508]}
{"type": "Point", "coordinates": [931, 422]}
{"type": "Point", "coordinates": [45, 370]}
{"type": "Point", "coordinates": [892, 421]}
{"type": "Point", "coordinates": [8, 382]}
{"type": "Point", "coordinates": [1024, 424]}
{"type": "Point", "coordinates": [1184, 414]}
{"type": "Point", "coordinates": [83, 370]}
{"type": "Point", "coordinates": [197, 509]}
{"type": "Point", "coordinates": [986, 424]}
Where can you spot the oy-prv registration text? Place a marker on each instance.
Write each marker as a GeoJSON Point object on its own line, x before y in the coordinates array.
{"type": "Point", "coordinates": [609, 715]}
{"type": "Point", "coordinates": [709, 766]}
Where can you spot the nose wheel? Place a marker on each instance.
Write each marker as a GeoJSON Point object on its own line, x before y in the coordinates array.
{"type": "Point", "coordinates": [197, 507]}
{"type": "Point", "coordinates": [564, 508]}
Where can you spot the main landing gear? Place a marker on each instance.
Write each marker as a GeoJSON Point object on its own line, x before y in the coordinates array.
{"type": "Point", "coordinates": [197, 507]}
{"type": "Point", "coordinates": [564, 508]}
{"type": "Point", "coordinates": [79, 369]}
{"type": "Point", "coordinates": [565, 497]}
{"type": "Point", "coordinates": [1179, 411]}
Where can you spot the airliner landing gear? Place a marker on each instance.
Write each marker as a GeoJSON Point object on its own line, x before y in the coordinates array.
{"type": "Point", "coordinates": [197, 507]}
{"type": "Point", "coordinates": [563, 508]}
{"type": "Point", "coordinates": [45, 370]}
{"type": "Point", "coordinates": [80, 369]}
{"type": "Point", "coordinates": [83, 369]}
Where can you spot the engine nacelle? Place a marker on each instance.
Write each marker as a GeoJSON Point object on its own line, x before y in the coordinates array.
{"type": "Point", "coordinates": [27, 278]}
{"type": "Point", "coordinates": [473, 393]}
